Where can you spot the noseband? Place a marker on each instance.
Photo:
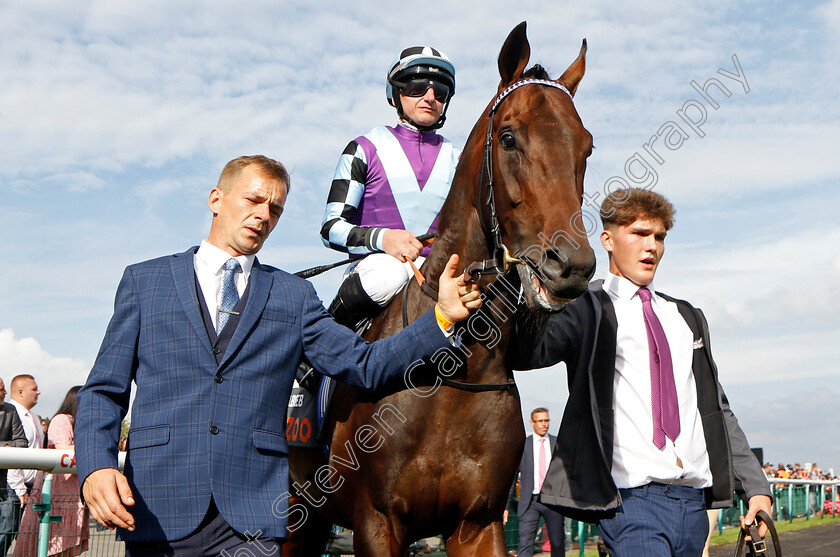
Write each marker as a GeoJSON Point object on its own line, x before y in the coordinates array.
{"type": "Point", "coordinates": [501, 259]}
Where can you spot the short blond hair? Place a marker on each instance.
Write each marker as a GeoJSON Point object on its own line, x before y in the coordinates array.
{"type": "Point", "coordinates": [269, 167]}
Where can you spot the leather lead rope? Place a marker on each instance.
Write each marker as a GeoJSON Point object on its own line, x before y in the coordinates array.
{"type": "Point", "coordinates": [758, 546]}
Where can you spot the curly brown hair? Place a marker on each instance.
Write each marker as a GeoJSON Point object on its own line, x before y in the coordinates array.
{"type": "Point", "coordinates": [624, 206]}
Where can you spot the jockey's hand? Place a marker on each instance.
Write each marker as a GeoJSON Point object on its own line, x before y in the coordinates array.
{"type": "Point", "coordinates": [106, 493]}
{"type": "Point", "coordinates": [401, 244]}
{"type": "Point", "coordinates": [456, 297]}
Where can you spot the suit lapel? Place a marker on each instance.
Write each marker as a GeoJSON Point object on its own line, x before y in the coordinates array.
{"type": "Point", "coordinates": [529, 453]}
{"type": "Point", "coordinates": [259, 288]}
{"type": "Point", "coordinates": [183, 273]}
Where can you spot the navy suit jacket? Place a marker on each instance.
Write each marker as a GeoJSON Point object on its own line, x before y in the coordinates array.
{"type": "Point", "coordinates": [202, 428]}
{"type": "Point", "coordinates": [526, 474]}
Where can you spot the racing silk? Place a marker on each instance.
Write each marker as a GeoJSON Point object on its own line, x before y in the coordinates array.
{"type": "Point", "coordinates": [391, 177]}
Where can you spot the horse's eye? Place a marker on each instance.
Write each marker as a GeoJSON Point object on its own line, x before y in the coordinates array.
{"type": "Point", "coordinates": [507, 141]}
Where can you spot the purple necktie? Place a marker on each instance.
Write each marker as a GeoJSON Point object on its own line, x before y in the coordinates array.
{"type": "Point", "coordinates": [663, 391]}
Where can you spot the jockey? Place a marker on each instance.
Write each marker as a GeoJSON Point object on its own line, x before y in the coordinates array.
{"type": "Point", "coordinates": [390, 184]}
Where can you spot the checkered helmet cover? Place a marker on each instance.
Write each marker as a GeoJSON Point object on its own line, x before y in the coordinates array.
{"type": "Point", "coordinates": [420, 60]}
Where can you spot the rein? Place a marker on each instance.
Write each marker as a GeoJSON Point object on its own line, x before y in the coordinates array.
{"type": "Point", "coordinates": [471, 387]}
{"type": "Point", "coordinates": [314, 271]}
{"type": "Point", "coordinates": [501, 259]}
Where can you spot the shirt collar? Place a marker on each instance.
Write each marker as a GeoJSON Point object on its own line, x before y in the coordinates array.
{"type": "Point", "coordinates": [405, 129]}
{"type": "Point", "coordinates": [215, 257]}
{"type": "Point", "coordinates": [623, 289]}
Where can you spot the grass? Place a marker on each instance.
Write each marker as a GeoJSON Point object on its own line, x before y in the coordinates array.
{"type": "Point", "coordinates": [730, 535]}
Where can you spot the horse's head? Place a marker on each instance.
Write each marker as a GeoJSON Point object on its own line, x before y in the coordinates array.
{"type": "Point", "coordinates": [538, 157]}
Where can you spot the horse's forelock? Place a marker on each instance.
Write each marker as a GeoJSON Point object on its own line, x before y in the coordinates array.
{"type": "Point", "coordinates": [536, 72]}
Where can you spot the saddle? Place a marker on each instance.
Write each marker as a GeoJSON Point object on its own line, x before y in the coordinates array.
{"type": "Point", "coordinates": [310, 402]}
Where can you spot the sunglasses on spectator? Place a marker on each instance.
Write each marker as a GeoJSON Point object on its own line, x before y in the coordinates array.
{"type": "Point", "coordinates": [417, 87]}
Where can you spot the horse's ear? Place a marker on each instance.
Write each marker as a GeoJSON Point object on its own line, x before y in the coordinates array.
{"type": "Point", "coordinates": [574, 73]}
{"type": "Point", "coordinates": [514, 55]}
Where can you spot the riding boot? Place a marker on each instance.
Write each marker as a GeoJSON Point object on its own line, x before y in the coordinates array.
{"type": "Point", "coordinates": [352, 305]}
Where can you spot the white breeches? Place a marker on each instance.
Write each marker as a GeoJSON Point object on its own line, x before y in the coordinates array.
{"type": "Point", "coordinates": [382, 275]}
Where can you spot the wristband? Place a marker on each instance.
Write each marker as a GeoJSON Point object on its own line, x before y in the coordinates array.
{"type": "Point", "coordinates": [444, 323]}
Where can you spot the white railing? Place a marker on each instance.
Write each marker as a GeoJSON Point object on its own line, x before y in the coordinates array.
{"type": "Point", "coordinates": [55, 461]}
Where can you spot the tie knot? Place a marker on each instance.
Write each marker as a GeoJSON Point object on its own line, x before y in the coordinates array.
{"type": "Point", "coordinates": [644, 294]}
{"type": "Point", "coordinates": [232, 265]}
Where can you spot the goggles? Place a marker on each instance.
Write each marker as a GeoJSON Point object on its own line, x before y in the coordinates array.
{"type": "Point", "coordinates": [417, 87]}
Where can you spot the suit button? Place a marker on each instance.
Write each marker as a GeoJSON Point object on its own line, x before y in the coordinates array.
{"type": "Point", "coordinates": [217, 351]}
{"type": "Point", "coordinates": [214, 430]}
{"type": "Point", "coordinates": [219, 378]}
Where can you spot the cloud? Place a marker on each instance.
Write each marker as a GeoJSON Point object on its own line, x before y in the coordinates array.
{"type": "Point", "coordinates": [777, 424]}
{"type": "Point", "coordinates": [54, 375]}
{"type": "Point", "coordinates": [116, 119]}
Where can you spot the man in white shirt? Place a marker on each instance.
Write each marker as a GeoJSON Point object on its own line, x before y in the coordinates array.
{"type": "Point", "coordinates": [648, 441]}
{"type": "Point", "coordinates": [532, 472]}
{"type": "Point", "coordinates": [212, 339]}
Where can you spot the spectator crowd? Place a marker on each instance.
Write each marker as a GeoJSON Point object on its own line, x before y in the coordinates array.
{"type": "Point", "coordinates": [797, 472]}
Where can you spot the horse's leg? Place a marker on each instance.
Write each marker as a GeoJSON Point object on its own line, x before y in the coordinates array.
{"type": "Point", "coordinates": [376, 535]}
{"type": "Point", "coordinates": [472, 540]}
{"type": "Point", "coordinates": [310, 538]}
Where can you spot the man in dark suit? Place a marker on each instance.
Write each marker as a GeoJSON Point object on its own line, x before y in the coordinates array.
{"type": "Point", "coordinates": [648, 440]}
{"type": "Point", "coordinates": [11, 435]}
{"type": "Point", "coordinates": [532, 471]}
{"type": "Point", "coordinates": [212, 339]}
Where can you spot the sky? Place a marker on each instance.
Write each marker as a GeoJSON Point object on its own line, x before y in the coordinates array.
{"type": "Point", "coordinates": [116, 119]}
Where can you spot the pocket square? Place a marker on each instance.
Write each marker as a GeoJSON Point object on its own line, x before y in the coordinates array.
{"type": "Point", "coordinates": [698, 344]}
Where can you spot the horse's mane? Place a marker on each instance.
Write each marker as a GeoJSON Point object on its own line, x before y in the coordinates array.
{"type": "Point", "coordinates": [536, 72]}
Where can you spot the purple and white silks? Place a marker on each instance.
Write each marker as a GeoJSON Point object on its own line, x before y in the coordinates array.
{"type": "Point", "coordinates": [391, 177]}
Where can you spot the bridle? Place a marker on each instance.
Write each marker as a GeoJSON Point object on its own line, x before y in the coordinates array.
{"type": "Point", "coordinates": [501, 260]}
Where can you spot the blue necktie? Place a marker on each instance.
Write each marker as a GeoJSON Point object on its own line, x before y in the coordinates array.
{"type": "Point", "coordinates": [230, 295]}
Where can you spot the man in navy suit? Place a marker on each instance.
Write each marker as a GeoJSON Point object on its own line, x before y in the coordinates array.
{"type": "Point", "coordinates": [212, 338]}
{"type": "Point", "coordinates": [532, 472]}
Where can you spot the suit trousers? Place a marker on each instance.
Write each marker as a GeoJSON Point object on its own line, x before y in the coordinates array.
{"type": "Point", "coordinates": [529, 522]}
{"type": "Point", "coordinates": [9, 518]}
{"type": "Point", "coordinates": [657, 520]}
{"type": "Point", "coordinates": [213, 538]}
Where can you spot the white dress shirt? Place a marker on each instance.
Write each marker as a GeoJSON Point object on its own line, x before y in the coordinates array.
{"type": "Point", "coordinates": [536, 440]}
{"type": "Point", "coordinates": [20, 480]}
{"type": "Point", "coordinates": [209, 264]}
{"type": "Point", "coordinates": [636, 460]}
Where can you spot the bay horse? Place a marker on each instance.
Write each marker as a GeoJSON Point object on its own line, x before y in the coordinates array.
{"type": "Point", "coordinates": [438, 454]}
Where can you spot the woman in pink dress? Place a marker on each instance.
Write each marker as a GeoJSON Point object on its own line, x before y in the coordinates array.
{"type": "Point", "coordinates": [70, 536]}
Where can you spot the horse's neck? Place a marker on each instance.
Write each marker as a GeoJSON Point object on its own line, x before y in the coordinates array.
{"type": "Point", "coordinates": [487, 332]}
